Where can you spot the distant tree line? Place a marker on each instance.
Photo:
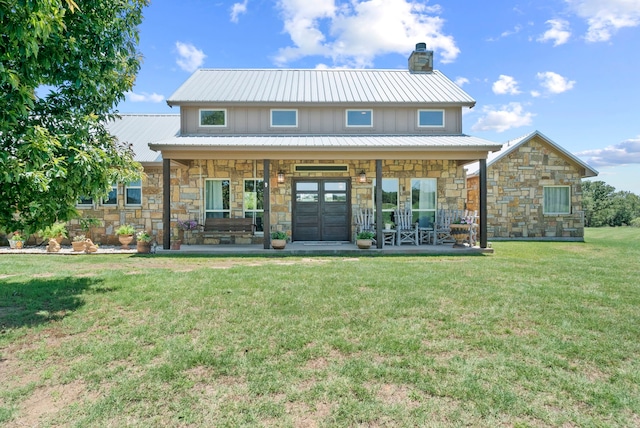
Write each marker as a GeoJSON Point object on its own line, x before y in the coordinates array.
{"type": "Point", "coordinates": [603, 206]}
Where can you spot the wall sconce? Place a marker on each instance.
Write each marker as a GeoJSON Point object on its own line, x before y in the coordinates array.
{"type": "Point", "coordinates": [363, 177]}
{"type": "Point", "coordinates": [281, 176]}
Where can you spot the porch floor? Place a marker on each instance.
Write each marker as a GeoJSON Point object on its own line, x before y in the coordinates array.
{"type": "Point", "coordinates": [325, 248]}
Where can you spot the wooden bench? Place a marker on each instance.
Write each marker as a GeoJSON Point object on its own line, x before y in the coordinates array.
{"type": "Point", "coordinates": [229, 225]}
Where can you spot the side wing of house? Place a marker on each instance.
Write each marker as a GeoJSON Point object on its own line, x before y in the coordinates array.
{"type": "Point", "coordinates": [534, 191]}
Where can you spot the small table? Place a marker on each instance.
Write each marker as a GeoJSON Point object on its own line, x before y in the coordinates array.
{"type": "Point", "coordinates": [388, 237]}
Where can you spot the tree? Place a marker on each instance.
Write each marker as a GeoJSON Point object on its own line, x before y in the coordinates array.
{"type": "Point", "coordinates": [63, 69]}
{"type": "Point", "coordinates": [603, 206]}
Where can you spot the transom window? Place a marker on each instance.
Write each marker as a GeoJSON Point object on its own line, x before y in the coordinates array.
{"type": "Point", "coordinates": [390, 194]}
{"type": "Point", "coordinates": [431, 118]}
{"type": "Point", "coordinates": [253, 202]}
{"type": "Point", "coordinates": [216, 199]}
{"type": "Point", "coordinates": [284, 118]}
{"type": "Point", "coordinates": [557, 200]}
{"type": "Point", "coordinates": [133, 193]}
{"type": "Point", "coordinates": [360, 118]}
{"type": "Point", "coordinates": [423, 201]}
{"type": "Point", "coordinates": [210, 117]}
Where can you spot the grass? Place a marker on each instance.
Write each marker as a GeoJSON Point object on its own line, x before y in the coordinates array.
{"type": "Point", "coordinates": [537, 334]}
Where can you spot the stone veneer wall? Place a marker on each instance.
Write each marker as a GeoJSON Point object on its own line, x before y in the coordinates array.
{"type": "Point", "coordinates": [187, 193]}
{"type": "Point", "coordinates": [515, 194]}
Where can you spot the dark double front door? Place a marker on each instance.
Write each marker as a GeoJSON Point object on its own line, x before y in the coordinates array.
{"type": "Point", "coordinates": [321, 209]}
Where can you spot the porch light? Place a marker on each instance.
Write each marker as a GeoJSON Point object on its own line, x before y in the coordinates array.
{"type": "Point", "coordinates": [363, 177]}
{"type": "Point", "coordinates": [281, 176]}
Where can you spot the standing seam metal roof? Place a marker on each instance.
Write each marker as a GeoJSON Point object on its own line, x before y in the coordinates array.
{"type": "Point", "coordinates": [213, 86]}
{"type": "Point", "coordinates": [141, 129]}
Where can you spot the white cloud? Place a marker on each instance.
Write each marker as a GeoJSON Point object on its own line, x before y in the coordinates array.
{"type": "Point", "coordinates": [238, 9]}
{"type": "Point", "coordinates": [605, 17]}
{"type": "Point", "coordinates": [558, 33]}
{"type": "Point", "coordinates": [555, 83]}
{"type": "Point", "coordinates": [354, 33]}
{"type": "Point", "coordinates": [461, 81]}
{"type": "Point", "coordinates": [145, 97]}
{"type": "Point", "coordinates": [189, 58]}
{"type": "Point", "coordinates": [502, 119]}
{"type": "Point", "coordinates": [505, 85]}
{"type": "Point", "coordinates": [625, 153]}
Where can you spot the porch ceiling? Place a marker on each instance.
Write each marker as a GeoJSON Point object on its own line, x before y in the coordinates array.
{"type": "Point", "coordinates": [326, 147]}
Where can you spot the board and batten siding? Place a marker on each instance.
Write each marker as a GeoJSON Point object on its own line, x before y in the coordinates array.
{"type": "Point", "coordinates": [319, 120]}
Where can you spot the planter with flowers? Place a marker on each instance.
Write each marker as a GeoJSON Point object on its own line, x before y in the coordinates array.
{"type": "Point", "coordinates": [125, 235]}
{"type": "Point", "coordinates": [17, 240]}
{"type": "Point", "coordinates": [186, 226]}
{"type": "Point", "coordinates": [364, 240]}
{"type": "Point", "coordinates": [279, 240]}
{"type": "Point", "coordinates": [143, 242]}
{"type": "Point", "coordinates": [79, 243]}
{"type": "Point", "coordinates": [459, 230]}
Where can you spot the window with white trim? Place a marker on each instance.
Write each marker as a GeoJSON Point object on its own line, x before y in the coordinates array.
{"type": "Point", "coordinates": [213, 118]}
{"type": "Point", "coordinates": [85, 202]}
{"type": "Point", "coordinates": [556, 200]}
{"type": "Point", "coordinates": [253, 202]}
{"type": "Point", "coordinates": [423, 201]}
{"type": "Point", "coordinates": [359, 118]}
{"type": "Point", "coordinates": [284, 118]}
{"type": "Point", "coordinates": [112, 197]}
{"type": "Point", "coordinates": [133, 193]}
{"type": "Point", "coordinates": [216, 199]}
{"type": "Point", "coordinates": [431, 118]}
{"type": "Point", "coordinates": [390, 193]}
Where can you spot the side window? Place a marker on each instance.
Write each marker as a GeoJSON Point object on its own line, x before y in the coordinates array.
{"type": "Point", "coordinates": [253, 200]}
{"type": "Point", "coordinates": [359, 118]}
{"type": "Point", "coordinates": [557, 200]}
{"type": "Point", "coordinates": [390, 192]}
{"type": "Point", "coordinates": [85, 202]}
{"type": "Point", "coordinates": [423, 201]}
{"type": "Point", "coordinates": [112, 197]}
{"type": "Point", "coordinates": [133, 193]}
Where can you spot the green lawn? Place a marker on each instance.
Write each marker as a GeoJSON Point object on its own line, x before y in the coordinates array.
{"type": "Point", "coordinates": [537, 334]}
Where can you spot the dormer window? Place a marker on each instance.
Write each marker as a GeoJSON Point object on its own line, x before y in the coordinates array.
{"type": "Point", "coordinates": [431, 118]}
{"type": "Point", "coordinates": [360, 118]}
{"type": "Point", "coordinates": [210, 117]}
{"type": "Point", "coordinates": [281, 118]}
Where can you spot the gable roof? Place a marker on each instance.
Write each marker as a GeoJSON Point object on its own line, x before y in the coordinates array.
{"type": "Point", "coordinates": [513, 145]}
{"type": "Point", "coordinates": [230, 86]}
{"type": "Point", "coordinates": [139, 130]}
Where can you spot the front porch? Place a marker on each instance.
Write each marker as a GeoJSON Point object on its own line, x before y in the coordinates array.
{"type": "Point", "coordinates": [325, 249]}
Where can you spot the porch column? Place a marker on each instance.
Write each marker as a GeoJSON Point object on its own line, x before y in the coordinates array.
{"type": "Point", "coordinates": [483, 203]}
{"type": "Point", "coordinates": [378, 207]}
{"type": "Point", "coordinates": [166, 204]}
{"type": "Point", "coordinates": [266, 204]}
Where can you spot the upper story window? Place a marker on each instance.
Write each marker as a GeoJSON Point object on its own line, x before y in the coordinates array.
{"type": "Point", "coordinates": [284, 118]}
{"type": "Point", "coordinates": [557, 200]}
{"type": "Point", "coordinates": [360, 118]}
{"type": "Point", "coordinates": [431, 118]}
{"type": "Point", "coordinates": [210, 117]}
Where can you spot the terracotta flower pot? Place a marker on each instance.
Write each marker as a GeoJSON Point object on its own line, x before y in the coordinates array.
{"type": "Point", "coordinates": [278, 244]}
{"type": "Point", "coordinates": [143, 247]}
{"type": "Point", "coordinates": [364, 244]}
{"type": "Point", "coordinates": [78, 246]}
{"type": "Point", "coordinates": [125, 240]}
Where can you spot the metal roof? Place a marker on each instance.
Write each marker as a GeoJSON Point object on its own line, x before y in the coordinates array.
{"type": "Point", "coordinates": [512, 145]}
{"type": "Point", "coordinates": [141, 129]}
{"type": "Point", "coordinates": [328, 142]}
{"type": "Point", "coordinates": [319, 86]}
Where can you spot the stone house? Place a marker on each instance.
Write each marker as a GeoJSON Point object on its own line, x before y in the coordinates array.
{"type": "Point", "coordinates": [534, 190]}
{"type": "Point", "coordinates": [298, 151]}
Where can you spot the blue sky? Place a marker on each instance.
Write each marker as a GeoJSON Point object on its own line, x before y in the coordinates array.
{"type": "Point", "coordinates": [567, 68]}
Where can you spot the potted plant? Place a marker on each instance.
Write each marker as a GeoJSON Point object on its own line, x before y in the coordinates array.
{"type": "Point", "coordinates": [459, 230]}
{"type": "Point", "coordinates": [57, 231]}
{"type": "Point", "coordinates": [364, 240]}
{"type": "Point", "coordinates": [186, 226]}
{"type": "Point", "coordinates": [125, 235]}
{"type": "Point", "coordinates": [17, 240]}
{"type": "Point", "coordinates": [79, 243]}
{"type": "Point", "coordinates": [278, 240]}
{"type": "Point", "coordinates": [143, 242]}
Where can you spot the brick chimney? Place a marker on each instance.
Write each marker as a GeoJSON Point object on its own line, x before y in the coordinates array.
{"type": "Point", "coordinates": [421, 60]}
